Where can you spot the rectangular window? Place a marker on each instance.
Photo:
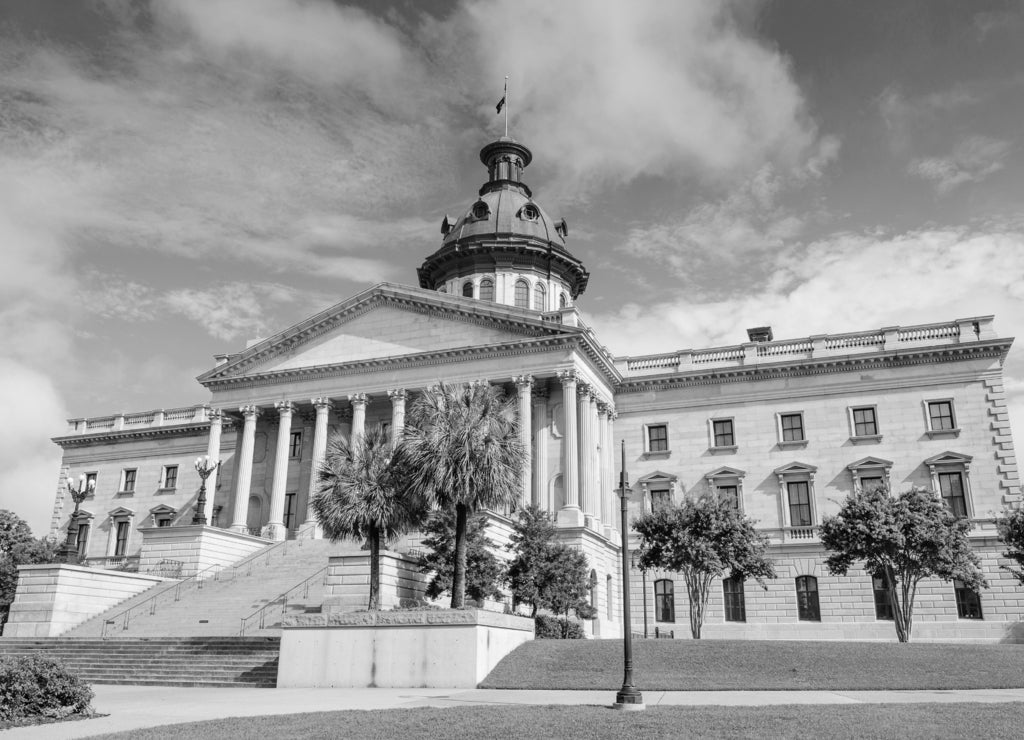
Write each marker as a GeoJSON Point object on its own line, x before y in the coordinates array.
{"type": "Point", "coordinates": [735, 602]}
{"type": "Point", "coordinates": [724, 436]}
{"type": "Point", "coordinates": [128, 480]}
{"type": "Point", "coordinates": [730, 494]}
{"type": "Point", "coordinates": [90, 481]}
{"type": "Point", "coordinates": [82, 541]}
{"type": "Point", "coordinates": [968, 601]}
{"type": "Point", "coordinates": [657, 438]}
{"type": "Point", "coordinates": [121, 542]}
{"type": "Point", "coordinates": [865, 423]}
{"type": "Point", "coordinates": [164, 521]}
{"type": "Point", "coordinates": [807, 607]}
{"type": "Point", "coordinates": [871, 482]}
{"type": "Point", "coordinates": [295, 446]}
{"type": "Point", "coordinates": [170, 476]}
{"type": "Point", "coordinates": [940, 416]}
{"type": "Point", "coordinates": [289, 511]}
{"type": "Point", "coordinates": [951, 486]}
{"type": "Point", "coordinates": [792, 427]}
{"type": "Point", "coordinates": [661, 499]}
{"type": "Point", "coordinates": [799, 503]}
{"type": "Point", "coordinates": [664, 601]}
{"type": "Point", "coordinates": [883, 607]}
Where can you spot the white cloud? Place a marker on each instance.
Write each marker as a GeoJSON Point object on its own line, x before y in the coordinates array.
{"type": "Point", "coordinates": [972, 160]}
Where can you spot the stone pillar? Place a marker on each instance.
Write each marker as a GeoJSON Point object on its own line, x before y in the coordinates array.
{"type": "Point", "coordinates": [397, 396]}
{"type": "Point", "coordinates": [213, 450]}
{"type": "Point", "coordinates": [611, 524]}
{"type": "Point", "coordinates": [323, 409]}
{"type": "Point", "coordinates": [540, 443]}
{"type": "Point", "coordinates": [524, 384]}
{"type": "Point", "coordinates": [241, 508]}
{"type": "Point", "coordinates": [275, 529]}
{"type": "Point", "coordinates": [570, 515]}
{"type": "Point", "coordinates": [586, 442]}
{"type": "Point", "coordinates": [605, 479]}
{"type": "Point", "coordinates": [359, 401]}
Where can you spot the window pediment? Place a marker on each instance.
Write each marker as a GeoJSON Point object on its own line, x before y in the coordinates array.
{"type": "Point", "coordinates": [163, 510]}
{"type": "Point", "coordinates": [869, 462]}
{"type": "Point", "coordinates": [948, 458]}
{"type": "Point", "coordinates": [657, 477]}
{"type": "Point", "coordinates": [725, 472]}
{"type": "Point", "coordinates": [121, 512]}
{"type": "Point", "coordinates": [796, 468]}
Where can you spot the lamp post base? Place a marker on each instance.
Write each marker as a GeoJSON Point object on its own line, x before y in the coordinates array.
{"type": "Point", "coordinates": [629, 699]}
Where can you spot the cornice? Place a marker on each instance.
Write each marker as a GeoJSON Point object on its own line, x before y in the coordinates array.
{"type": "Point", "coordinates": [817, 366]}
{"type": "Point", "coordinates": [179, 430]}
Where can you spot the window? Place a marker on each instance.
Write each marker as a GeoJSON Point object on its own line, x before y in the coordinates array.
{"type": "Point", "coordinates": [799, 503]}
{"type": "Point", "coordinates": [128, 480]}
{"type": "Point", "coordinates": [807, 599]}
{"type": "Point", "coordinates": [871, 482]}
{"type": "Point", "coordinates": [90, 482]}
{"type": "Point", "coordinates": [883, 606]}
{"type": "Point", "coordinates": [731, 495]}
{"type": "Point", "coordinates": [940, 416]}
{"type": "Point", "coordinates": [664, 601]}
{"type": "Point", "coordinates": [467, 289]}
{"type": "Point", "coordinates": [529, 212]}
{"type": "Point", "coordinates": [951, 487]}
{"type": "Point", "coordinates": [609, 591]}
{"type": "Point", "coordinates": [121, 541]}
{"type": "Point", "coordinates": [661, 499]}
{"type": "Point", "coordinates": [522, 294]}
{"type": "Point", "coordinates": [295, 446]}
{"type": "Point", "coordinates": [82, 539]}
{"type": "Point", "coordinates": [170, 476]}
{"type": "Point", "coordinates": [480, 210]}
{"type": "Point", "coordinates": [727, 484]}
{"type": "Point", "coordinates": [870, 473]}
{"type": "Point", "coordinates": [540, 302]}
{"type": "Point", "coordinates": [722, 432]}
{"type": "Point", "coordinates": [657, 438]}
{"type": "Point", "coordinates": [865, 422]}
{"type": "Point", "coordinates": [791, 427]}
{"type": "Point", "coordinates": [486, 289]}
{"type": "Point", "coordinates": [163, 521]}
{"type": "Point", "coordinates": [968, 601]}
{"type": "Point", "coordinates": [289, 511]}
{"type": "Point", "coordinates": [735, 602]}
{"type": "Point", "coordinates": [563, 300]}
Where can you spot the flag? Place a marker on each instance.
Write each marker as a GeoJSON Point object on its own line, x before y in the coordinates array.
{"type": "Point", "coordinates": [501, 104]}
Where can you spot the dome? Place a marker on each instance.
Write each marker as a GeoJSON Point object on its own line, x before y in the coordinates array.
{"type": "Point", "coordinates": [505, 232]}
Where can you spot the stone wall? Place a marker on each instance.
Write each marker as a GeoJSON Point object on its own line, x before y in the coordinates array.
{"type": "Point", "coordinates": [198, 548]}
{"type": "Point", "coordinates": [347, 586]}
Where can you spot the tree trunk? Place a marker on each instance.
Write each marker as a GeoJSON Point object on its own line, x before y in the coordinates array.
{"type": "Point", "coordinates": [697, 591]}
{"type": "Point", "coordinates": [459, 574]}
{"type": "Point", "coordinates": [374, 569]}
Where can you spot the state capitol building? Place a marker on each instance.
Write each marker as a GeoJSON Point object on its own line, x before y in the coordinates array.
{"type": "Point", "coordinates": [782, 428]}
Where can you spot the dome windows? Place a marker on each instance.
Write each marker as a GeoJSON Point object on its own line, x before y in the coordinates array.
{"type": "Point", "coordinates": [563, 300]}
{"type": "Point", "coordinates": [487, 290]}
{"type": "Point", "coordinates": [540, 302]}
{"type": "Point", "coordinates": [467, 289]}
{"type": "Point", "coordinates": [522, 294]}
{"type": "Point", "coordinates": [529, 212]}
{"type": "Point", "coordinates": [480, 211]}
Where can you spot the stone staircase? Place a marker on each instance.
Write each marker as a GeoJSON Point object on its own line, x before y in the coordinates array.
{"type": "Point", "coordinates": [163, 661]}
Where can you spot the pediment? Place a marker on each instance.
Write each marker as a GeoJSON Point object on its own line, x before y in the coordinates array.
{"type": "Point", "coordinates": [384, 323]}
{"type": "Point", "coordinates": [725, 472]}
{"type": "Point", "coordinates": [658, 477]}
{"type": "Point", "coordinates": [82, 514]}
{"type": "Point", "coordinates": [121, 511]}
{"type": "Point", "coordinates": [949, 458]}
{"type": "Point", "coordinates": [869, 462]}
{"type": "Point", "coordinates": [796, 468]}
{"type": "Point", "coordinates": [163, 510]}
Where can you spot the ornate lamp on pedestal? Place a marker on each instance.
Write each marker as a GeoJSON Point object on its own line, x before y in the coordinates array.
{"type": "Point", "coordinates": [628, 697]}
{"type": "Point", "coordinates": [78, 495]}
{"type": "Point", "coordinates": [205, 467]}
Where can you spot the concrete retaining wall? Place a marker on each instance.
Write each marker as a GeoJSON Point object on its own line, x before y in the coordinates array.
{"type": "Point", "coordinates": [347, 587]}
{"type": "Point", "coordinates": [197, 547]}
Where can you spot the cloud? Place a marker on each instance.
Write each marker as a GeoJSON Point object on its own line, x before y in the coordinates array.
{"type": "Point", "coordinates": [972, 160]}
{"type": "Point", "coordinates": [908, 119]}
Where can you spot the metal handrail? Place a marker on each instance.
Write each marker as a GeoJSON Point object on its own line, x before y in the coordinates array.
{"type": "Point", "coordinates": [151, 602]}
{"type": "Point", "coordinates": [278, 548]}
{"type": "Point", "coordinates": [283, 598]}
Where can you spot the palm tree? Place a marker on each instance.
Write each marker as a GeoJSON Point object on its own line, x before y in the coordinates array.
{"type": "Point", "coordinates": [360, 496]}
{"type": "Point", "coordinates": [462, 451]}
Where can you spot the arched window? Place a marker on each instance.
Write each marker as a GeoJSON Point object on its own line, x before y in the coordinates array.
{"type": "Point", "coordinates": [664, 601]}
{"type": "Point", "coordinates": [486, 289]}
{"type": "Point", "coordinates": [540, 298]}
{"type": "Point", "coordinates": [593, 592]}
{"type": "Point", "coordinates": [807, 599]}
{"type": "Point", "coordinates": [563, 300]}
{"type": "Point", "coordinates": [522, 294]}
{"type": "Point", "coordinates": [467, 289]}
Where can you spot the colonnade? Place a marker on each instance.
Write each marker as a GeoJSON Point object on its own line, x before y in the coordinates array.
{"type": "Point", "coordinates": [586, 454]}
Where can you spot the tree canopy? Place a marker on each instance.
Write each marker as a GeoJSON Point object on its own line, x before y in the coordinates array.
{"type": "Point", "coordinates": [702, 539]}
{"type": "Point", "coordinates": [1011, 532]}
{"type": "Point", "coordinates": [484, 573]}
{"type": "Point", "coordinates": [902, 540]}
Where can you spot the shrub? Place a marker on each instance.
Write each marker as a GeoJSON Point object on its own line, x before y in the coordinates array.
{"type": "Point", "coordinates": [556, 628]}
{"type": "Point", "coordinates": [39, 687]}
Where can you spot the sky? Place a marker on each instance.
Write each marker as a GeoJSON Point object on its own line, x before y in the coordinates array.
{"type": "Point", "coordinates": [179, 177]}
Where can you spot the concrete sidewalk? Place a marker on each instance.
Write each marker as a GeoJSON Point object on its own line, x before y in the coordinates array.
{"type": "Point", "coordinates": [135, 707]}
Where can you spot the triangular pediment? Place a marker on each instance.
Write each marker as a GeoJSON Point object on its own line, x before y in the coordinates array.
{"type": "Point", "coordinates": [388, 322]}
{"type": "Point", "coordinates": [163, 510]}
{"type": "Point", "coordinates": [948, 458]}
{"type": "Point", "coordinates": [796, 468]}
{"type": "Point", "coordinates": [869, 462]}
{"type": "Point", "coordinates": [725, 472]}
{"type": "Point", "coordinates": [121, 511]}
{"type": "Point", "coordinates": [658, 477]}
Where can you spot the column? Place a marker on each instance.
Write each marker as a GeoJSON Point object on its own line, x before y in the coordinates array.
{"type": "Point", "coordinates": [241, 508]}
{"type": "Point", "coordinates": [540, 443]}
{"type": "Point", "coordinates": [570, 515]}
{"type": "Point", "coordinates": [611, 524]}
{"type": "Point", "coordinates": [359, 401]}
{"type": "Point", "coordinates": [603, 441]}
{"type": "Point", "coordinates": [216, 418]}
{"type": "Point", "coordinates": [397, 396]}
{"type": "Point", "coordinates": [586, 442]}
{"type": "Point", "coordinates": [275, 526]}
{"type": "Point", "coordinates": [524, 385]}
{"type": "Point", "coordinates": [323, 409]}
{"type": "Point", "coordinates": [593, 458]}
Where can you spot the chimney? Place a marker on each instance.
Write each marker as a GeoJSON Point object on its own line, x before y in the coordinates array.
{"type": "Point", "coordinates": [760, 334]}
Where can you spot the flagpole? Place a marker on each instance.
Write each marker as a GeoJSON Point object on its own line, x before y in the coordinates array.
{"type": "Point", "coordinates": [506, 106]}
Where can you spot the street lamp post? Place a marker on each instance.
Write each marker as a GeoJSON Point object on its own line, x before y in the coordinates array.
{"type": "Point", "coordinates": [628, 697]}
{"type": "Point", "coordinates": [205, 467]}
{"type": "Point", "coordinates": [78, 495]}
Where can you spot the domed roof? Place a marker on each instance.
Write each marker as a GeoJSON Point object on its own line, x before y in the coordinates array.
{"type": "Point", "coordinates": [507, 211]}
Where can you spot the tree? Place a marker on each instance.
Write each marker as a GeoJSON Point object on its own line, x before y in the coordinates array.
{"type": "Point", "coordinates": [360, 495]}
{"type": "Point", "coordinates": [901, 540]}
{"type": "Point", "coordinates": [702, 539]}
{"type": "Point", "coordinates": [1011, 532]}
{"type": "Point", "coordinates": [565, 584]}
{"type": "Point", "coordinates": [463, 451]}
{"type": "Point", "coordinates": [484, 573]}
{"type": "Point", "coordinates": [18, 547]}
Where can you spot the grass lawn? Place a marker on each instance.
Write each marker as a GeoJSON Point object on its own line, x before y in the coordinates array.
{"type": "Point", "coordinates": [903, 721]}
{"type": "Point", "coordinates": [703, 665]}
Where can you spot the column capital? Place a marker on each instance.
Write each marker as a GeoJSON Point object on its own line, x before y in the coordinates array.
{"type": "Point", "coordinates": [480, 382]}
{"type": "Point", "coordinates": [602, 408]}
{"type": "Point", "coordinates": [322, 404]}
{"type": "Point", "coordinates": [359, 398]}
{"type": "Point", "coordinates": [397, 394]}
{"type": "Point", "coordinates": [249, 411]}
{"type": "Point", "coordinates": [284, 408]}
{"type": "Point", "coordinates": [214, 416]}
{"type": "Point", "coordinates": [566, 377]}
{"type": "Point", "coordinates": [523, 382]}
{"type": "Point", "coordinates": [583, 390]}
